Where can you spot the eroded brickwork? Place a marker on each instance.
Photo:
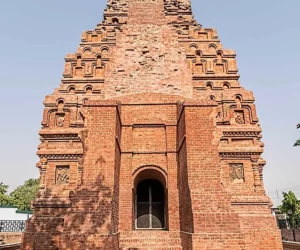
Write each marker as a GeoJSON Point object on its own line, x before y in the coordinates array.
{"type": "Point", "coordinates": [151, 94]}
{"type": "Point", "coordinates": [10, 238]}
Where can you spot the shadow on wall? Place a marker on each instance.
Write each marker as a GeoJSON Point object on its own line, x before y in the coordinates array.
{"type": "Point", "coordinates": [79, 220]}
{"type": "Point", "coordinates": [83, 218]}
{"type": "Point", "coordinates": [185, 210]}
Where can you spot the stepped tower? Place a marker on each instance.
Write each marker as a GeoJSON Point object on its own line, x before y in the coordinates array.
{"type": "Point", "coordinates": [150, 142]}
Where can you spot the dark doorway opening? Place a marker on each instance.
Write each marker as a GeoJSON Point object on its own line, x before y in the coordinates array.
{"type": "Point", "coordinates": [150, 205]}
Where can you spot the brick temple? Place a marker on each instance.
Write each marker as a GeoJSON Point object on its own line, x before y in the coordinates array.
{"type": "Point", "coordinates": [150, 142]}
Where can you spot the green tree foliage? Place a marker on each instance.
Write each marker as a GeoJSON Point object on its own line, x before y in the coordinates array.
{"type": "Point", "coordinates": [291, 207]}
{"type": "Point", "coordinates": [298, 141]}
{"type": "Point", "coordinates": [23, 195]}
{"type": "Point", "coordinates": [4, 197]}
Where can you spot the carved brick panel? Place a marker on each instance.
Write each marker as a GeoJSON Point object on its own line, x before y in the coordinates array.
{"type": "Point", "coordinates": [239, 117]}
{"type": "Point", "coordinates": [62, 175]}
{"type": "Point", "coordinates": [236, 172]}
{"type": "Point", "coordinates": [60, 120]}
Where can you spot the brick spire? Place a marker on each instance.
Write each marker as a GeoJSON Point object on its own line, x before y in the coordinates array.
{"type": "Point", "coordinates": [151, 94]}
{"type": "Point", "coordinates": [147, 11]}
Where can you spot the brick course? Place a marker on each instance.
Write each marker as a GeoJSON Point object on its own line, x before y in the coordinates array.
{"type": "Point", "coordinates": [150, 93]}
{"type": "Point", "coordinates": [10, 238]}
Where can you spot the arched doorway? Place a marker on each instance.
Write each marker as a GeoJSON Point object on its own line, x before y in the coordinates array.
{"type": "Point", "coordinates": [150, 205]}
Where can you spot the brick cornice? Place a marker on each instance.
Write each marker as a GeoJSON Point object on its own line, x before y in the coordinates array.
{"type": "Point", "coordinates": [240, 155]}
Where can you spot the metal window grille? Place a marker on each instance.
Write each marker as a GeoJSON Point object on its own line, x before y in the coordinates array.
{"type": "Point", "coordinates": [9, 226]}
{"type": "Point", "coordinates": [150, 206]}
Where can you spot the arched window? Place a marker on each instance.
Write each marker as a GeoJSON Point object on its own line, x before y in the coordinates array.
{"type": "Point", "coordinates": [150, 205]}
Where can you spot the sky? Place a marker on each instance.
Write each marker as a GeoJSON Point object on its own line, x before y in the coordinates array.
{"type": "Point", "coordinates": [36, 35]}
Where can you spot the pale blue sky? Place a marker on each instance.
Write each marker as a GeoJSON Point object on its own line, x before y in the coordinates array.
{"type": "Point", "coordinates": [36, 35]}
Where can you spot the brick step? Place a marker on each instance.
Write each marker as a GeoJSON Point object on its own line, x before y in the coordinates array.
{"type": "Point", "coordinates": [150, 234]}
{"type": "Point", "coordinates": [141, 247]}
{"type": "Point", "coordinates": [151, 238]}
{"type": "Point", "coordinates": [148, 240]}
{"type": "Point", "coordinates": [152, 248]}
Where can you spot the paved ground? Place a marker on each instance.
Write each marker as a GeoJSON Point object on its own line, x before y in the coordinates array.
{"type": "Point", "coordinates": [11, 247]}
